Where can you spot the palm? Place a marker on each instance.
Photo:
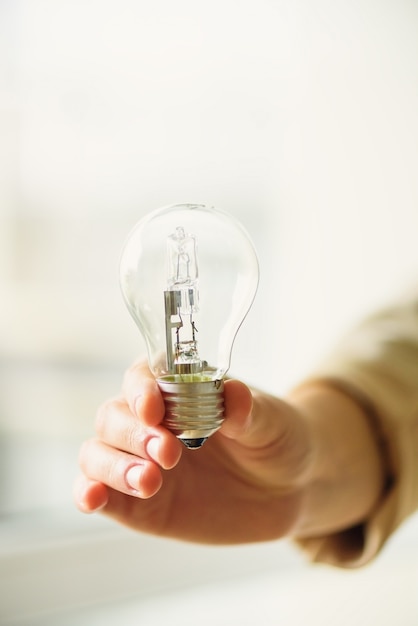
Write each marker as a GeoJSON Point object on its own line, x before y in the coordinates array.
{"type": "Point", "coordinates": [229, 490]}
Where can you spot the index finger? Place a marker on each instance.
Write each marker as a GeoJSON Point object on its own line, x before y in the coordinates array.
{"type": "Point", "coordinates": [143, 395]}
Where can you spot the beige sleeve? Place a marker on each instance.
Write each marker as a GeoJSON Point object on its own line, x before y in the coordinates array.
{"type": "Point", "coordinates": [378, 365]}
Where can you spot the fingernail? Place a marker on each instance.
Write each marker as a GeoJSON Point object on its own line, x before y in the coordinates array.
{"type": "Point", "coordinates": [153, 448]}
{"type": "Point", "coordinates": [133, 477]}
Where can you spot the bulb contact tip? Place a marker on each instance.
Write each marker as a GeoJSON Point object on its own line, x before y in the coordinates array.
{"type": "Point", "coordinates": [193, 444]}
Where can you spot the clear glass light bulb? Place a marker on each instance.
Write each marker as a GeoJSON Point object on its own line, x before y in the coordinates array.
{"type": "Point", "coordinates": [189, 274]}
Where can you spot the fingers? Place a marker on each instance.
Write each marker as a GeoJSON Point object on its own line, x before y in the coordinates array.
{"type": "Point", "coordinates": [143, 395]}
{"type": "Point", "coordinates": [117, 427]}
{"type": "Point", "coordinates": [126, 456]}
{"type": "Point", "coordinates": [124, 472]}
{"type": "Point", "coordinates": [130, 447]}
{"type": "Point", "coordinates": [89, 495]}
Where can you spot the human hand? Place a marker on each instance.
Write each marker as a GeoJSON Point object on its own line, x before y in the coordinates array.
{"type": "Point", "coordinates": [247, 483]}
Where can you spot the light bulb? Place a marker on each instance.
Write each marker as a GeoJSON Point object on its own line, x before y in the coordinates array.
{"type": "Point", "coordinates": [189, 274]}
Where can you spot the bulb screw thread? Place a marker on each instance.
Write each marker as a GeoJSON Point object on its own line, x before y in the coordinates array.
{"type": "Point", "coordinates": [193, 410]}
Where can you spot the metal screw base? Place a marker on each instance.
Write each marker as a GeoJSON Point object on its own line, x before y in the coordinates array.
{"type": "Point", "coordinates": [193, 410]}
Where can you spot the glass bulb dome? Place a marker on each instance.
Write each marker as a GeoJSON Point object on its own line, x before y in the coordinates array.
{"type": "Point", "coordinates": [189, 274]}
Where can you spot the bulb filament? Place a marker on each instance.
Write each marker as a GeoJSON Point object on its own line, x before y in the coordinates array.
{"type": "Point", "coordinates": [181, 303]}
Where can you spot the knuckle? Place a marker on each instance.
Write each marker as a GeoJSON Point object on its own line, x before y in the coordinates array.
{"type": "Point", "coordinates": [103, 413]}
{"type": "Point", "coordinates": [101, 417]}
{"type": "Point", "coordinates": [132, 438]}
{"type": "Point", "coordinates": [113, 471]}
{"type": "Point", "coordinates": [84, 453]}
{"type": "Point", "coordinates": [116, 426]}
{"type": "Point", "coordinates": [134, 375]}
{"type": "Point", "coordinates": [133, 371]}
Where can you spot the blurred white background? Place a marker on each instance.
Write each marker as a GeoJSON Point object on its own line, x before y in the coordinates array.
{"type": "Point", "coordinates": [300, 118]}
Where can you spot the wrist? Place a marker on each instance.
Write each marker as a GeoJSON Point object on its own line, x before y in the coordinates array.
{"type": "Point", "coordinates": [348, 469]}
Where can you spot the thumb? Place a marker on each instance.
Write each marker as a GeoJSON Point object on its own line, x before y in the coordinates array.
{"type": "Point", "coordinates": [254, 418]}
{"type": "Point", "coordinates": [269, 426]}
{"type": "Point", "coordinates": [238, 409]}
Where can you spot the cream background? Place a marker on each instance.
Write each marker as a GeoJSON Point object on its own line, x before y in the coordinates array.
{"type": "Point", "coordinates": [300, 118]}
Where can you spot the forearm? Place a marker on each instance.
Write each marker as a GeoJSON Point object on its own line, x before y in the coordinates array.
{"type": "Point", "coordinates": [348, 473]}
